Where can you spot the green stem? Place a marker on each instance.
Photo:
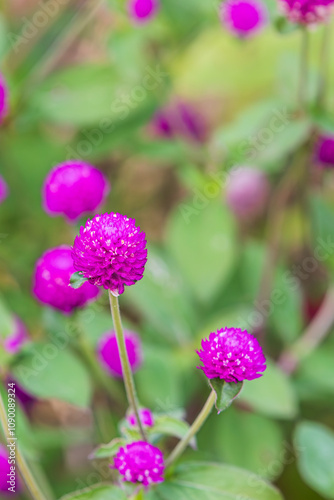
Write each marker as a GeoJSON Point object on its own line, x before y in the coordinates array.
{"type": "Point", "coordinates": [23, 467]}
{"type": "Point", "coordinates": [323, 63]}
{"type": "Point", "coordinates": [303, 73]}
{"type": "Point", "coordinates": [201, 418]}
{"type": "Point", "coordinates": [126, 369]}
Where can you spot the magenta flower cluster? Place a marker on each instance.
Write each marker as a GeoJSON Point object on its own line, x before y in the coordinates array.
{"type": "Point", "coordinates": [74, 188]}
{"type": "Point", "coordinates": [140, 462]}
{"type": "Point", "coordinates": [232, 355]}
{"type": "Point", "coordinates": [146, 418]}
{"type": "Point", "coordinates": [3, 98]}
{"type": "Point", "coordinates": [143, 10]}
{"type": "Point", "coordinates": [108, 353]}
{"type": "Point", "coordinates": [4, 473]}
{"type": "Point", "coordinates": [52, 281]}
{"type": "Point", "coordinates": [3, 189]}
{"type": "Point", "coordinates": [247, 192]}
{"type": "Point", "coordinates": [15, 341]}
{"type": "Point", "coordinates": [325, 151]}
{"type": "Point", "coordinates": [110, 252]}
{"type": "Point", "coordinates": [307, 11]}
{"type": "Point", "coordinates": [244, 18]}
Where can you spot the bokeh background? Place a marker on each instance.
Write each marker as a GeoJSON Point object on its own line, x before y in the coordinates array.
{"type": "Point", "coordinates": [78, 89]}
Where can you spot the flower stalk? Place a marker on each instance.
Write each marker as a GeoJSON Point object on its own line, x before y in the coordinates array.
{"type": "Point", "coordinates": [303, 70]}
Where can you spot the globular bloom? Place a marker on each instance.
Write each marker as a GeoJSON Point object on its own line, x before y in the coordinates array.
{"type": "Point", "coordinates": [145, 415]}
{"type": "Point", "coordinates": [110, 252]}
{"type": "Point", "coordinates": [140, 462]}
{"type": "Point", "coordinates": [247, 192]}
{"type": "Point", "coordinates": [233, 355]}
{"type": "Point", "coordinates": [179, 119]}
{"type": "Point", "coordinates": [108, 354]}
{"type": "Point", "coordinates": [74, 188]}
{"type": "Point", "coordinates": [3, 190]}
{"type": "Point", "coordinates": [325, 151]}
{"type": "Point", "coordinates": [143, 10]}
{"type": "Point", "coordinates": [244, 18]}
{"type": "Point", "coordinates": [3, 98]}
{"type": "Point", "coordinates": [307, 11]}
{"type": "Point", "coordinates": [5, 471]}
{"type": "Point", "coordinates": [15, 341]}
{"type": "Point", "coordinates": [52, 281]}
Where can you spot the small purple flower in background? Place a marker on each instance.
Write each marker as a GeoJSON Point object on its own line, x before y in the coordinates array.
{"type": "Point", "coordinates": [4, 473]}
{"type": "Point", "coordinates": [74, 188]}
{"type": "Point", "coordinates": [110, 252]}
{"type": "Point", "coordinates": [140, 462]}
{"type": "Point", "coordinates": [3, 98]}
{"type": "Point", "coordinates": [143, 10]}
{"type": "Point", "coordinates": [108, 354]}
{"type": "Point", "coordinates": [244, 18]}
{"type": "Point", "coordinates": [307, 11]}
{"type": "Point", "coordinates": [14, 342]}
{"type": "Point", "coordinates": [232, 355]}
{"type": "Point", "coordinates": [3, 189]}
{"type": "Point", "coordinates": [52, 281]}
{"type": "Point", "coordinates": [146, 418]}
{"type": "Point", "coordinates": [325, 151]}
{"type": "Point", "coordinates": [247, 192]}
{"type": "Point", "coordinates": [179, 119]}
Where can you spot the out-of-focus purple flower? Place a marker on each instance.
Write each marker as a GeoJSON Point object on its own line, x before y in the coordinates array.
{"type": "Point", "coordinates": [14, 342]}
{"type": "Point", "coordinates": [110, 252]}
{"type": "Point", "coordinates": [3, 189]}
{"type": "Point", "coordinates": [307, 11]}
{"type": "Point", "coordinates": [325, 151]}
{"type": "Point", "coordinates": [108, 353]}
{"type": "Point", "coordinates": [52, 281]}
{"type": "Point", "coordinates": [143, 10]}
{"type": "Point", "coordinates": [247, 192]}
{"type": "Point", "coordinates": [3, 98]}
{"type": "Point", "coordinates": [5, 473]}
{"type": "Point", "coordinates": [179, 119]}
{"type": "Point", "coordinates": [74, 188]}
{"type": "Point", "coordinates": [145, 415]}
{"type": "Point", "coordinates": [232, 355]}
{"type": "Point", "coordinates": [244, 18]}
{"type": "Point", "coordinates": [140, 462]}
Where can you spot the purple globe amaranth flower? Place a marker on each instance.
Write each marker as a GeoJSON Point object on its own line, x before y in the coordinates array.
{"type": "Point", "coordinates": [232, 355]}
{"type": "Point", "coordinates": [143, 10]}
{"type": "Point", "coordinates": [52, 281]}
{"type": "Point", "coordinates": [145, 415]}
{"type": "Point", "coordinates": [110, 252]}
{"type": "Point", "coordinates": [247, 192]}
{"type": "Point", "coordinates": [5, 470]}
{"type": "Point", "coordinates": [3, 189]}
{"type": "Point", "coordinates": [108, 353]}
{"type": "Point", "coordinates": [307, 11]}
{"type": "Point", "coordinates": [179, 119]}
{"type": "Point", "coordinates": [15, 341]}
{"type": "Point", "coordinates": [244, 18]}
{"type": "Point", "coordinates": [324, 152]}
{"type": "Point", "coordinates": [3, 98]}
{"type": "Point", "coordinates": [74, 188]}
{"type": "Point", "coordinates": [140, 462]}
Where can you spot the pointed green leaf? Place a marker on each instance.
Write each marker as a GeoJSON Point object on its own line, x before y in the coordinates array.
{"type": "Point", "coordinates": [108, 450]}
{"type": "Point", "coordinates": [225, 392]}
{"type": "Point", "coordinates": [97, 492]}
{"type": "Point", "coordinates": [77, 280]}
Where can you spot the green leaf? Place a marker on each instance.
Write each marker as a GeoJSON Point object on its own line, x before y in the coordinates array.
{"type": "Point", "coordinates": [315, 453]}
{"type": "Point", "coordinates": [225, 392]}
{"type": "Point", "coordinates": [272, 394]}
{"type": "Point", "coordinates": [6, 321]}
{"type": "Point", "coordinates": [209, 481]}
{"type": "Point", "coordinates": [108, 450]}
{"type": "Point", "coordinates": [201, 238]}
{"type": "Point", "coordinates": [97, 492]}
{"type": "Point", "coordinates": [170, 426]}
{"type": "Point", "coordinates": [48, 372]}
{"type": "Point", "coordinates": [77, 280]}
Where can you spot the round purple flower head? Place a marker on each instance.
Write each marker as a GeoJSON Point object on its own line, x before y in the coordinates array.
{"type": "Point", "coordinates": [146, 418]}
{"type": "Point", "coordinates": [140, 462]}
{"type": "Point", "coordinates": [3, 189]}
{"type": "Point", "coordinates": [110, 252]}
{"type": "Point", "coordinates": [247, 192]}
{"type": "Point", "coordinates": [232, 355]}
{"type": "Point", "coordinates": [244, 17]}
{"type": "Point", "coordinates": [52, 281]}
{"type": "Point", "coordinates": [74, 188]}
{"type": "Point", "coordinates": [3, 98]}
{"type": "Point", "coordinates": [4, 473]}
{"type": "Point", "coordinates": [307, 11]}
{"type": "Point", "coordinates": [143, 10]}
{"type": "Point", "coordinates": [108, 353]}
{"type": "Point", "coordinates": [325, 151]}
{"type": "Point", "coordinates": [14, 342]}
